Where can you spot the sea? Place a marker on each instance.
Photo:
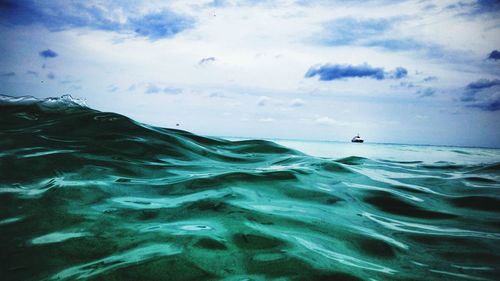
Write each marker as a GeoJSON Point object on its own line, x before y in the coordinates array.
{"type": "Point", "coordinates": [91, 195]}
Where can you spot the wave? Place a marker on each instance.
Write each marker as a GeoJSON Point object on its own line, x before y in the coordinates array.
{"type": "Point", "coordinates": [96, 195]}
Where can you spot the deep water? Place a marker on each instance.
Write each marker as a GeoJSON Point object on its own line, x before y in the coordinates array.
{"type": "Point", "coordinates": [89, 195]}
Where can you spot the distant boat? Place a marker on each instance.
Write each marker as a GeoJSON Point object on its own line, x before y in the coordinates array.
{"type": "Point", "coordinates": [357, 139]}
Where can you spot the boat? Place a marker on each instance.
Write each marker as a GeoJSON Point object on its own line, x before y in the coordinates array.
{"type": "Point", "coordinates": [357, 139]}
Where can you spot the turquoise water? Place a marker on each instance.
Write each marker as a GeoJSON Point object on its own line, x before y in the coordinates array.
{"type": "Point", "coordinates": [89, 195]}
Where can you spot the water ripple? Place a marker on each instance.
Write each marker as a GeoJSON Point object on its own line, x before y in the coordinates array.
{"type": "Point", "coordinates": [98, 196]}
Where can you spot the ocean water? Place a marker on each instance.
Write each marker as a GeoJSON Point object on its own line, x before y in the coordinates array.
{"type": "Point", "coordinates": [89, 195]}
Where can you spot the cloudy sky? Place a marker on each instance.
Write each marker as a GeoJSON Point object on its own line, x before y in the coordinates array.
{"type": "Point", "coordinates": [424, 72]}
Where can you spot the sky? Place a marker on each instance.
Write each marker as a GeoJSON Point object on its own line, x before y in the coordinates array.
{"type": "Point", "coordinates": [415, 72]}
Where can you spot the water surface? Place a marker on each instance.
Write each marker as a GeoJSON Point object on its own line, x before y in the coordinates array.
{"type": "Point", "coordinates": [89, 195]}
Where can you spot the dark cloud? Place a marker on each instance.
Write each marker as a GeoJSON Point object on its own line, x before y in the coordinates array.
{"type": "Point", "coordinates": [172, 90]}
{"type": "Point", "coordinates": [158, 25]}
{"type": "Point", "coordinates": [8, 74]}
{"type": "Point", "coordinates": [206, 60]}
{"type": "Point", "coordinates": [398, 73]}
{"type": "Point", "coordinates": [330, 72]}
{"type": "Point", "coordinates": [483, 94]}
{"type": "Point", "coordinates": [427, 92]}
{"type": "Point", "coordinates": [154, 89]}
{"type": "Point", "coordinates": [107, 16]}
{"type": "Point", "coordinates": [430, 78]}
{"type": "Point", "coordinates": [48, 54]}
{"type": "Point", "coordinates": [482, 84]}
{"type": "Point", "coordinates": [51, 76]}
{"type": "Point", "coordinates": [477, 7]}
{"type": "Point", "coordinates": [494, 55]}
{"type": "Point", "coordinates": [31, 72]}
{"type": "Point", "coordinates": [57, 16]}
{"type": "Point", "coordinates": [408, 85]}
{"type": "Point", "coordinates": [112, 88]}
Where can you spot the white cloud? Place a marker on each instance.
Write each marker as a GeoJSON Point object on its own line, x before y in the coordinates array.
{"type": "Point", "coordinates": [266, 120]}
{"type": "Point", "coordinates": [326, 121]}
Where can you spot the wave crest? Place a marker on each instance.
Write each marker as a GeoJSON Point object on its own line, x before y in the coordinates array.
{"type": "Point", "coordinates": [54, 103]}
